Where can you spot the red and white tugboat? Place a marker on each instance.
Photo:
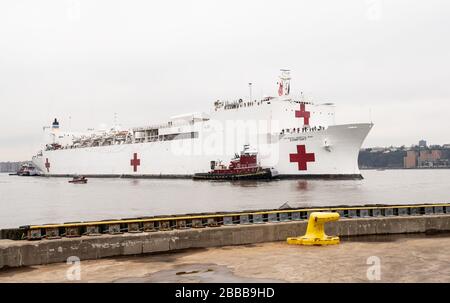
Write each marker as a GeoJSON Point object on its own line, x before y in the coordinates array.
{"type": "Point", "coordinates": [243, 167]}
{"type": "Point", "coordinates": [27, 170]}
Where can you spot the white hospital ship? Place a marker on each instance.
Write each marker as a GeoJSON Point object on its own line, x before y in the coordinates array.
{"type": "Point", "coordinates": [293, 137]}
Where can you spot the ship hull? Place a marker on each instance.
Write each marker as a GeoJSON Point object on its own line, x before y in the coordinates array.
{"type": "Point", "coordinates": [327, 153]}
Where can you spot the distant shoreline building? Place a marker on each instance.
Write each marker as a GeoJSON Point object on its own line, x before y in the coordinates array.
{"type": "Point", "coordinates": [422, 156]}
{"type": "Point", "coordinates": [419, 156]}
{"type": "Point", "coordinates": [425, 159]}
{"type": "Point", "coordinates": [422, 143]}
{"type": "Point", "coordinates": [410, 160]}
{"type": "Point", "coordinates": [10, 167]}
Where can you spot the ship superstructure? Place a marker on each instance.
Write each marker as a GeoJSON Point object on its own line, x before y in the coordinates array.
{"type": "Point", "coordinates": [293, 136]}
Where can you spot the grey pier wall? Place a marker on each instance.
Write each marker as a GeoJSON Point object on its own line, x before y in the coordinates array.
{"type": "Point", "coordinates": [25, 253]}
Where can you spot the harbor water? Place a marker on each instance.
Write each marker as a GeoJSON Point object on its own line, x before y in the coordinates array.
{"type": "Point", "coordinates": [40, 200]}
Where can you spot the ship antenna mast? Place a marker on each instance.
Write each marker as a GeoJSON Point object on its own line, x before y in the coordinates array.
{"type": "Point", "coordinates": [250, 89]}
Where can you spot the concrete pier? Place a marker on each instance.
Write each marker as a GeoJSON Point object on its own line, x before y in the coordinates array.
{"type": "Point", "coordinates": [26, 253]}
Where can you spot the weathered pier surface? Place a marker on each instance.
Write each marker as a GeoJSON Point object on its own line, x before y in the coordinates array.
{"type": "Point", "coordinates": [26, 253]}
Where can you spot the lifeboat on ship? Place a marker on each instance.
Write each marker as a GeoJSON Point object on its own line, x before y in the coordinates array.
{"type": "Point", "coordinates": [243, 167]}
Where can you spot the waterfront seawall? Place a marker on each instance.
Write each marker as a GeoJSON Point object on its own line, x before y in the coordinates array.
{"type": "Point", "coordinates": [26, 253]}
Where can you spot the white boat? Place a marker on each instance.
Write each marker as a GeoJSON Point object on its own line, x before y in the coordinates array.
{"type": "Point", "coordinates": [293, 136]}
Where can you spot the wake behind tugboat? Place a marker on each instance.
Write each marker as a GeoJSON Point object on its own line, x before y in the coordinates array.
{"type": "Point", "coordinates": [243, 167]}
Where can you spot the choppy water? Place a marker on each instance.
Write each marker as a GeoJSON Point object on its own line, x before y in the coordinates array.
{"type": "Point", "coordinates": [36, 200]}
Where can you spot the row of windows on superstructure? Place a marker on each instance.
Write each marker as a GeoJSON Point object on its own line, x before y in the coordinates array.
{"type": "Point", "coordinates": [169, 137]}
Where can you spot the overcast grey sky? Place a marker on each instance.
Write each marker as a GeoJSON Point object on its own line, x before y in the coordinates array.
{"type": "Point", "coordinates": [148, 60]}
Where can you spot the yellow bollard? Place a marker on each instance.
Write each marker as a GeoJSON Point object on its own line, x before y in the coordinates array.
{"type": "Point", "coordinates": [315, 233]}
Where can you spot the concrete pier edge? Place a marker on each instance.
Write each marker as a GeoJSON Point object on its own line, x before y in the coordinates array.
{"type": "Point", "coordinates": [27, 253]}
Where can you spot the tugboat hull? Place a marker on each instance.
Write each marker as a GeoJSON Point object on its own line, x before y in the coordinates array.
{"type": "Point", "coordinates": [78, 182]}
{"type": "Point", "coordinates": [259, 175]}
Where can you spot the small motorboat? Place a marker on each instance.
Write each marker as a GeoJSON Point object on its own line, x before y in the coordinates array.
{"type": "Point", "coordinates": [79, 180]}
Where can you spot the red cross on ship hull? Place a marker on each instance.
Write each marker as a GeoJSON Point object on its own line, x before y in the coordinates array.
{"type": "Point", "coordinates": [303, 113]}
{"type": "Point", "coordinates": [47, 165]}
{"type": "Point", "coordinates": [135, 162]}
{"type": "Point", "coordinates": [302, 157]}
